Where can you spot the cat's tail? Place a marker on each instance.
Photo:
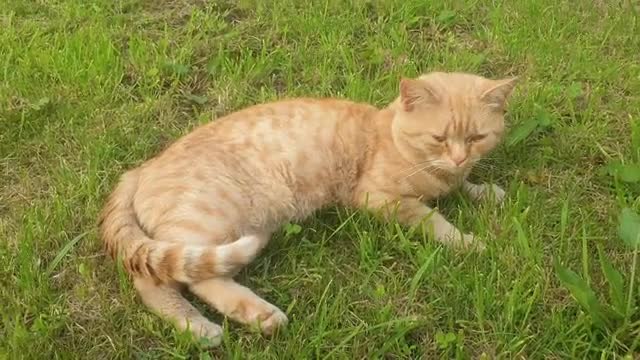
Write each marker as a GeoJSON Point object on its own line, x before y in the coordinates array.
{"type": "Point", "coordinates": [124, 238]}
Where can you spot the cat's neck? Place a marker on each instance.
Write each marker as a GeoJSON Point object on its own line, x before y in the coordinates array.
{"type": "Point", "coordinates": [384, 126]}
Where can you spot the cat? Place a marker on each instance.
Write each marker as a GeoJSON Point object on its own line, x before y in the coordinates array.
{"type": "Point", "coordinates": [197, 213]}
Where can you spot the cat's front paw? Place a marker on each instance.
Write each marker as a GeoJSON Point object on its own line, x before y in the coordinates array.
{"type": "Point", "coordinates": [465, 241]}
{"type": "Point", "coordinates": [471, 242]}
{"type": "Point", "coordinates": [486, 191]}
{"type": "Point", "coordinates": [495, 192]}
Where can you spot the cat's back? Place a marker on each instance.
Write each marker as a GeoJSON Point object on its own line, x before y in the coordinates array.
{"type": "Point", "coordinates": [276, 129]}
{"type": "Point", "coordinates": [288, 158]}
{"type": "Point", "coordinates": [288, 117]}
{"type": "Point", "coordinates": [309, 134]}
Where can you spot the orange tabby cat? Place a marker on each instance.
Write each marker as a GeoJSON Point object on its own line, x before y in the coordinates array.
{"type": "Point", "coordinates": [204, 208]}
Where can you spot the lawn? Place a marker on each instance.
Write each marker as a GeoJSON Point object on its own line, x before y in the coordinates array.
{"type": "Point", "coordinates": [91, 88]}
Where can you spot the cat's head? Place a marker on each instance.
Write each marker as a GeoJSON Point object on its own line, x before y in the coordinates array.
{"type": "Point", "coordinates": [449, 121]}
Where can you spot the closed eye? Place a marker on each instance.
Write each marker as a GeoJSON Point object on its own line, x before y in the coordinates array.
{"type": "Point", "coordinates": [475, 138]}
{"type": "Point", "coordinates": [439, 138]}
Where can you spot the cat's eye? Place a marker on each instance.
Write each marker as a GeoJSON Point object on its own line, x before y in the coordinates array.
{"type": "Point", "coordinates": [439, 138]}
{"type": "Point", "coordinates": [476, 138]}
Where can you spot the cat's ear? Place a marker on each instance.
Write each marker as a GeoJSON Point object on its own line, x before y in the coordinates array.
{"type": "Point", "coordinates": [415, 92]}
{"type": "Point", "coordinates": [498, 92]}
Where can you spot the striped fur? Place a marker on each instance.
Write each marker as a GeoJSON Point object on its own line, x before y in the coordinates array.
{"type": "Point", "coordinates": [205, 207]}
{"type": "Point", "coordinates": [166, 261]}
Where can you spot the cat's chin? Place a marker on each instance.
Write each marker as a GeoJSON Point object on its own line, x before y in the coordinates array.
{"type": "Point", "coordinates": [454, 170]}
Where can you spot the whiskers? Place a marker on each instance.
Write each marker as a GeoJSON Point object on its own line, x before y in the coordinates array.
{"type": "Point", "coordinates": [442, 168]}
{"type": "Point", "coordinates": [434, 166]}
{"type": "Point", "coordinates": [482, 165]}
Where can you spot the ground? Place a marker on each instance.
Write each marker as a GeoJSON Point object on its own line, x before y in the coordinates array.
{"type": "Point", "coordinates": [91, 88]}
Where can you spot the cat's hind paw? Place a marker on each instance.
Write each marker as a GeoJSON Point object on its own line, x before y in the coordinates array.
{"type": "Point", "coordinates": [274, 322]}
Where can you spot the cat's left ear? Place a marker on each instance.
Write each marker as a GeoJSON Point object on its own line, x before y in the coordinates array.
{"type": "Point", "coordinates": [415, 92]}
{"type": "Point", "coordinates": [497, 94]}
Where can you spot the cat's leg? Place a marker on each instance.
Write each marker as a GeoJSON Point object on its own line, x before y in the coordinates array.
{"type": "Point", "coordinates": [413, 212]}
{"type": "Point", "coordinates": [479, 192]}
{"type": "Point", "coordinates": [240, 304]}
{"type": "Point", "coordinates": [166, 301]}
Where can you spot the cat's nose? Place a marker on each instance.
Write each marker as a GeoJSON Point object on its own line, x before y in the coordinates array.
{"type": "Point", "coordinates": [458, 159]}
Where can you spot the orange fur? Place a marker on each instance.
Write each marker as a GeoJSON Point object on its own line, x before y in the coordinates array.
{"type": "Point", "coordinates": [204, 208]}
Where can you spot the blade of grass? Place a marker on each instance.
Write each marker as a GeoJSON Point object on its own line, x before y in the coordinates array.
{"type": "Point", "coordinates": [63, 252]}
{"type": "Point", "coordinates": [415, 281]}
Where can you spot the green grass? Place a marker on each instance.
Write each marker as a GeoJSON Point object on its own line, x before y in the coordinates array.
{"type": "Point", "coordinates": [91, 88]}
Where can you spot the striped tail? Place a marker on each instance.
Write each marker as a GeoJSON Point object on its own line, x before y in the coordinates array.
{"type": "Point", "coordinates": [124, 238]}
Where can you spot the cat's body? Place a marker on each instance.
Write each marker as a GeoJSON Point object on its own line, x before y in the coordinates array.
{"type": "Point", "coordinates": [205, 207]}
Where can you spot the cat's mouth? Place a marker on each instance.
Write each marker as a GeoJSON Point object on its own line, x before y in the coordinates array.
{"type": "Point", "coordinates": [454, 169]}
{"type": "Point", "coordinates": [439, 166]}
